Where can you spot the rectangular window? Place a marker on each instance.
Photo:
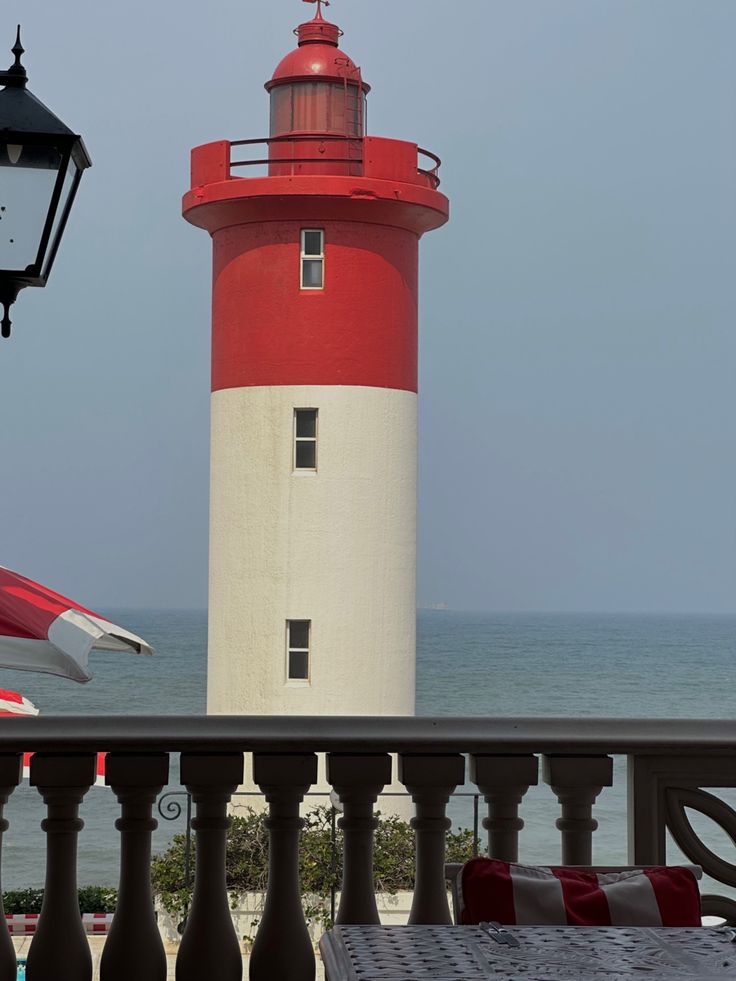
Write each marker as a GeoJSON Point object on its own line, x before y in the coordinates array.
{"type": "Point", "coordinates": [297, 649]}
{"type": "Point", "coordinates": [305, 439]}
{"type": "Point", "coordinates": [312, 259]}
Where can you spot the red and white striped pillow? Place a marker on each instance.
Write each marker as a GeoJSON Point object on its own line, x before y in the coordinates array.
{"type": "Point", "coordinates": [533, 895]}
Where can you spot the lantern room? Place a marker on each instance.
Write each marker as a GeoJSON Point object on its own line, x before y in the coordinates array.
{"type": "Point", "coordinates": [317, 89]}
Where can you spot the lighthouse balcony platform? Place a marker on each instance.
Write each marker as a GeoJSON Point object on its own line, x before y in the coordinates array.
{"type": "Point", "coordinates": [665, 765]}
{"type": "Point", "coordinates": [298, 154]}
{"type": "Point", "coordinates": [255, 176]}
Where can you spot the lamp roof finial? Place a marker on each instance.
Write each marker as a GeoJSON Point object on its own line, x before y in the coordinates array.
{"type": "Point", "coordinates": [16, 75]}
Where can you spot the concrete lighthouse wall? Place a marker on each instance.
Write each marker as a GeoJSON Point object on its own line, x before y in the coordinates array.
{"type": "Point", "coordinates": [334, 545]}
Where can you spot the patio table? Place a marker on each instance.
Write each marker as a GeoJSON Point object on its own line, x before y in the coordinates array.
{"type": "Point", "coordinates": [451, 953]}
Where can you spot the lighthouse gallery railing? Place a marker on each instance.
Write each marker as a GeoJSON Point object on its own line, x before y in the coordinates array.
{"type": "Point", "coordinates": [323, 151]}
{"type": "Point", "coordinates": [669, 763]}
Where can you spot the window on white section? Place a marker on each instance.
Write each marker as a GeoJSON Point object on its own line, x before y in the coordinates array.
{"type": "Point", "coordinates": [305, 439]}
{"type": "Point", "coordinates": [297, 649]}
{"type": "Point", "coordinates": [312, 260]}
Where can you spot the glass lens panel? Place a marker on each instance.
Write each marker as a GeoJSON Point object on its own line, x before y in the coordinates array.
{"type": "Point", "coordinates": [26, 188]}
{"type": "Point", "coordinates": [306, 454]}
{"type": "Point", "coordinates": [312, 243]}
{"type": "Point", "coordinates": [66, 190]}
{"type": "Point", "coordinates": [298, 666]}
{"type": "Point", "coordinates": [306, 422]}
{"type": "Point", "coordinates": [323, 107]}
{"type": "Point", "coordinates": [299, 633]}
{"type": "Point", "coordinates": [311, 107]}
{"type": "Point", "coordinates": [312, 274]}
{"type": "Point", "coordinates": [354, 111]}
{"type": "Point", "coordinates": [281, 110]}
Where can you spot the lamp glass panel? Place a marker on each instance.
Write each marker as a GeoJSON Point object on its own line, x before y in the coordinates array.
{"type": "Point", "coordinates": [26, 189]}
{"type": "Point", "coordinates": [66, 190]}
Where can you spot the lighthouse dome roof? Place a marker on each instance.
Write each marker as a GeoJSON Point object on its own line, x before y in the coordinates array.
{"type": "Point", "coordinates": [317, 56]}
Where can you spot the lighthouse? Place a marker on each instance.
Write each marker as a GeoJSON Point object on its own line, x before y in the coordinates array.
{"type": "Point", "coordinates": [315, 234]}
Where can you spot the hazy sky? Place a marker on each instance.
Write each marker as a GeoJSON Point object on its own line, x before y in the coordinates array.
{"type": "Point", "coordinates": [578, 335]}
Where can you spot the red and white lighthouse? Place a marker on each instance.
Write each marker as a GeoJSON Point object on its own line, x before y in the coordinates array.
{"type": "Point", "coordinates": [312, 605]}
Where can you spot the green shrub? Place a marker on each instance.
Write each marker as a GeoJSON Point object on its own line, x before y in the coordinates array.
{"type": "Point", "coordinates": [97, 899]}
{"type": "Point", "coordinates": [23, 900]}
{"type": "Point", "coordinates": [320, 868]}
{"type": "Point", "coordinates": [92, 899]}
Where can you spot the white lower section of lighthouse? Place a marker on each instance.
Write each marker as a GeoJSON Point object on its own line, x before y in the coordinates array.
{"type": "Point", "coordinates": [333, 546]}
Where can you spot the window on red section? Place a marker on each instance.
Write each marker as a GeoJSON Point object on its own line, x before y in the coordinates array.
{"type": "Point", "coordinates": [312, 259]}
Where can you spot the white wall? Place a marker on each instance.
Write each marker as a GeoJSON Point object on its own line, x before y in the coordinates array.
{"type": "Point", "coordinates": [337, 547]}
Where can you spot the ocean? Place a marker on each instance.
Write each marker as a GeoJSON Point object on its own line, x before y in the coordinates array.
{"type": "Point", "coordinates": [467, 664]}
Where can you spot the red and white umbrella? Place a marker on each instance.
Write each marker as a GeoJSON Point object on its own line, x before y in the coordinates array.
{"type": "Point", "coordinates": [11, 703]}
{"type": "Point", "coordinates": [42, 631]}
{"type": "Point", "coordinates": [99, 768]}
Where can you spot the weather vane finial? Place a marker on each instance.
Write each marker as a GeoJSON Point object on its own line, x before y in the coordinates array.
{"type": "Point", "coordinates": [319, 5]}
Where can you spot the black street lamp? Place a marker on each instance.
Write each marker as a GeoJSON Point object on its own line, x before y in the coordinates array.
{"type": "Point", "coordinates": [41, 165]}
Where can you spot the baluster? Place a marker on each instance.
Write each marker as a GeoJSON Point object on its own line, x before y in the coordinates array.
{"type": "Point", "coordinates": [209, 946]}
{"type": "Point", "coordinates": [59, 950]}
{"type": "Point", "coordinates": [503, 781]}
{"type": "Point", "coordinates": [134, 948]}
{"type": "Point", "coordinates": [283, 949]}
{"type": "Point", "coordinates": [11, 771]}
{"type": "Point", "coordinates": [430, 780]}
{"type": "Point", "coordinates": [358, 781]}
{"type": "Point", "coordinates": [576, 782]}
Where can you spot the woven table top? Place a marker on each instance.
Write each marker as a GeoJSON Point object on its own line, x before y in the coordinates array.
{"type": "Point", "coordinates": [449, 953]}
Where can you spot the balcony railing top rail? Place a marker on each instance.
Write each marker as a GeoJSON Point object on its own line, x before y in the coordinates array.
{"type": "Point", "coordinates": [333, 150]}
{"type": "Point", "coordinates": [558, 736]}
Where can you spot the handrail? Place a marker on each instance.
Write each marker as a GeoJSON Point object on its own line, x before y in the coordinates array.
{"type": "Point", "coordinates": [587, 736]}
{"type": "Point", "coordinates": [297, 160]}
{"type": "Point", "coordinates": [298, 137]}
{"type": "Point", "coordinates": [431, 173]}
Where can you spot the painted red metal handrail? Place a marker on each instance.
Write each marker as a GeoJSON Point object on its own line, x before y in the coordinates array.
{"type": "Point", "coordinates": [296, 138]}
{"type": "Point", "coordinates": [431, 173]}
{"type": "Point", "coordinates": [298, 160]}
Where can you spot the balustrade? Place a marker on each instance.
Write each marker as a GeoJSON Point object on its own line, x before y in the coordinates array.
{"type": "Point", "coordinates": [358, 780]}
{"type": "Point", "coordinates": [134, 948]}
{"type": "Point", "coordinates": [11, 770]}
{"type": "Point", "coordinates": [430, 780]}
{"type": "Point", "coordinates": [577, 781]}
{"type": "Point", "coordinates": [59, 950]}
{"type": "Point", "coordinates": [282, 948]}
{"type": "Point", "coordinates": [209, 936]}
{"type": "Point", "coordinates": [669, 766]}
{"type": "Point", "coordinates": [503, 781]}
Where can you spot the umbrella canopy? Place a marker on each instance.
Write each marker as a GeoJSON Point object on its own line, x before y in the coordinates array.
{"type": "Point", "coordinates": [11, 703]}
{"type": "Point", "coordinates": [42, 631]}
{"type": "Point", "coordinates": [99, 768]}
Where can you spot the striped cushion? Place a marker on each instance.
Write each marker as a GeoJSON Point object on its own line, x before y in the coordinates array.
{"type": "Point", "coordinates": [524, 894]}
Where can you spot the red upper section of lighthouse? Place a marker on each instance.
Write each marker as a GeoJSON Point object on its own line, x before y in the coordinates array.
{"type": "Point", "coordinates": [370, 199]}
{"type": "Point", "coordinates": [317, 58]}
